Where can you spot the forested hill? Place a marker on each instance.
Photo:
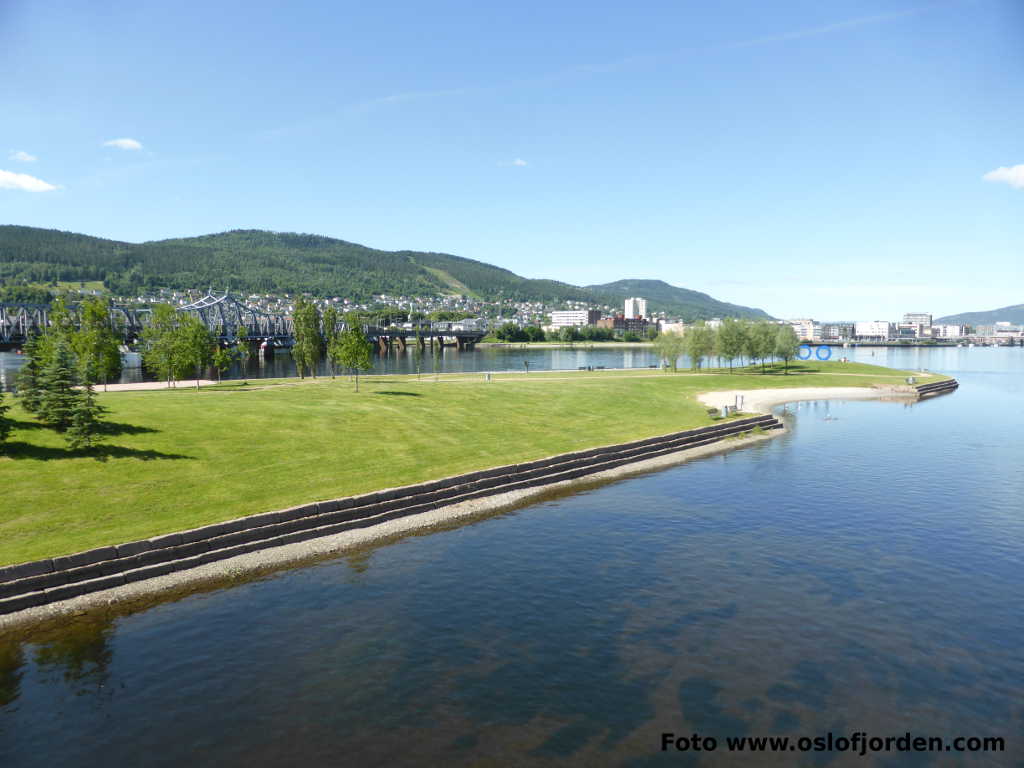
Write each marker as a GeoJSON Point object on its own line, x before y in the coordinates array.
{"type": "Point", "coordinates": [271, 262]}
{"type": "Point", "coordinates": [660, 294]}
{"type": "Point", "coordinates": [1014, 314]}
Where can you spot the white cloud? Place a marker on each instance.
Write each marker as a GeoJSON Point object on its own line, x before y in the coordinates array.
{"type": "Point", "coordinates": [11, 180]}
{"type": "Point", "coordinates": [123, 144]}
{"type": "Point", "coordinates": [1013, 175]}
{"type": "Point", "coordinates": [519, 161]}
{"type": "Point", "coordinates": [22, 157]}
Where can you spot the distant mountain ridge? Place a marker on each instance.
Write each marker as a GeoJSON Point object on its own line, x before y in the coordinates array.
{"type": "Point", "coordinates": [1013, 314]}
{"type": "Point", "coordinates": [274, 262]}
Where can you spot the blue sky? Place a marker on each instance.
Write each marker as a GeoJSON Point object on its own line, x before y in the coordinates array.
{"type": "Point", "coordinates": [822, 158]}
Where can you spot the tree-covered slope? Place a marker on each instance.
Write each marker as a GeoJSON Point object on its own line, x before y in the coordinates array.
{"type": "Point", "coordinates": [273, 262]}
{"type": "Point", "coordinates": [691, 305]}
{"type": "Point", "coordinates": [1014, 314]}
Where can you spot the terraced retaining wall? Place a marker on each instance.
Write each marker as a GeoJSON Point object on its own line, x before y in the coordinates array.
{"type": "Point", "coordinates": [46, 581]}
{"type": "Point", "coordinates": [937, 388]}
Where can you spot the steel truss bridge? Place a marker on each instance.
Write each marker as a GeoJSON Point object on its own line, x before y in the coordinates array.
{"type": "Point", "coordinates": [229, 320]}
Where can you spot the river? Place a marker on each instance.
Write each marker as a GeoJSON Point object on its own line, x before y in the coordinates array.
{"type": "Point", "coordinates": [861, 573]}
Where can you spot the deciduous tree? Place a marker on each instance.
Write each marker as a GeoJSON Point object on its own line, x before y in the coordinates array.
{"type": "Point", "coordinates": [307, 339]}
{"type": "Point", "coordinates": [731, 338]}
{"type": "Point", "coordinates": [194, 344]}
{"type": "Point", "coordinates": [330, 322]}
{"type": "Point", "coordinates": [700, 342]}
{"type": "Point", "coordinates": [786, 344]}
{"type": "Point", "coordinates": [160, 348]}
{"type": "Point", "coordinates": [221, 361]}
{"type": "Point", "coordinates": [670, 347]}
{"type": "Point", "coordinates": [95, 344]}
{"type": "Point", "coordinates": [354, 349]}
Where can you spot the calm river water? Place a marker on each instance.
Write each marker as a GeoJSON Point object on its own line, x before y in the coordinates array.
{"type": "Point", "coordinates": [862, 572]}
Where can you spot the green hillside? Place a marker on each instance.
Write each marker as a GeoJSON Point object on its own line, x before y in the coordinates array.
{"type": "Point", "coordinates": [272, 262]}
{"type": "Point", "coordinates": [692, 305]}
{"type": "Point", "coordinates": [1014, 314]}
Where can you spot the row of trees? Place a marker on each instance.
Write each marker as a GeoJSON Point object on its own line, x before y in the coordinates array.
{"type": "Point", "coordinates": [65, 362]}
{"type": "Point", "coordinates": [511, 332]}
{"type": "Point", "coordinates": [344, 343]}
{"type": "Point", "coordinates": [732, 340]}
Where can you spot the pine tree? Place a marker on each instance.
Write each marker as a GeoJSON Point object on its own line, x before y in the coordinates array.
{"type": "Point", "coordinates": [6, 425]}
{"type": "Point", "coordinates": [86, 421]}
{"type": "Point", "coordinates": [57, 382]}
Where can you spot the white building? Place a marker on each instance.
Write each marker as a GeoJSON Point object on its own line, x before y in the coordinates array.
{"type": "Point", "coordinates": [806, 330]}
{"type": "Point", "coordinates": [635, 307]}
{"type": "Point", "coordinates": [673, 327]}
{"type": "Point", "coordinates": [1004, 330]}
{"type": "Point", "coordinates": [948, 331]}
{"type": "Point", "coordinates": [873, 330]}
{"type": "Point", "coordinates": [574, 318]}
{"type": "Point", "coordinates": [918, 318]}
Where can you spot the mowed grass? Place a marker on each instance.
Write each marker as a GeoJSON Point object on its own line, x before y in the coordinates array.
{"type": "Point", "coordinates": [181, 458]}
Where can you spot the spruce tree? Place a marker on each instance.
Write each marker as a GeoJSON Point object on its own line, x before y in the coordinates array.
{"type": "Point", "coordinates": [6, 425]}
{"type": "Point", "coordinates": [58, 396]}
{"type": "Point", "coordinates": [86, 421]}
{"type": "Point", "coordinates": [27, 378]}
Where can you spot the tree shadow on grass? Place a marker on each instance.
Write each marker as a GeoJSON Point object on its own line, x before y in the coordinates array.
{"type": "Point", "coordinates": [17, 450]}
{"type": "Point", "coordinates": [116, 428]}
{"type": "Point", "coordinates": [395, 392]}
{"type": "Point", "coordinates": [105, 428]}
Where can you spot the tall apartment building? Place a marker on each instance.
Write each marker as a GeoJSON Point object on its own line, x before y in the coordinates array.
{"type": "Point", "coordinates": [574, 317]}
{"type": "Point", "coordinates": [635, 307]}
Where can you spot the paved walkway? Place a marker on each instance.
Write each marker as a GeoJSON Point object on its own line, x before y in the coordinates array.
{"type": "Point", "coordinates": [153, 385]}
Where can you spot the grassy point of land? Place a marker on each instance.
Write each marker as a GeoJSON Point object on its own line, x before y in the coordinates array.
{"type": "Point", "coordinates": [177, 459]}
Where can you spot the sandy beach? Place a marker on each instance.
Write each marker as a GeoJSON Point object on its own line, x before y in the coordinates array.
{"type": "Point", "coordinates": [763, 400]}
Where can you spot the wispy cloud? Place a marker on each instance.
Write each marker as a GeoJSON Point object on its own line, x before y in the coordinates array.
{"type": "Point", "coordinates": [608, 66]}
{"type": "Point", "coordinates": [130, 144]}
{"type": "Point", "coordinates": [519, 161]}
{"type": "Point", "coordinates": [1012, 175]}
{"type": "Point", "coordinates": [24, 182]}
{"type": "Point", "coordinates": [783, 37]}
{"type": "Point", "coordinates": [22, 157]}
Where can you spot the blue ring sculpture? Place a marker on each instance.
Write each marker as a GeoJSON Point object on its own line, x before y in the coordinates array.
{"type": "Point", "coordinates": [802, 349]}
{"type": "Point", "coordinates": [826, 349]}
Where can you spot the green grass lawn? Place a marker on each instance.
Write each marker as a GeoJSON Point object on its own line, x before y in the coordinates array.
{"type": "Point", "coordinates": [181, 458]}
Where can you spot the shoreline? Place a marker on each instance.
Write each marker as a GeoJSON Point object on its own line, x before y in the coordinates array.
{"type": "Point", "coordinates": [249, 563]}
{"type": "Point", "coordinates": [293, 555]}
